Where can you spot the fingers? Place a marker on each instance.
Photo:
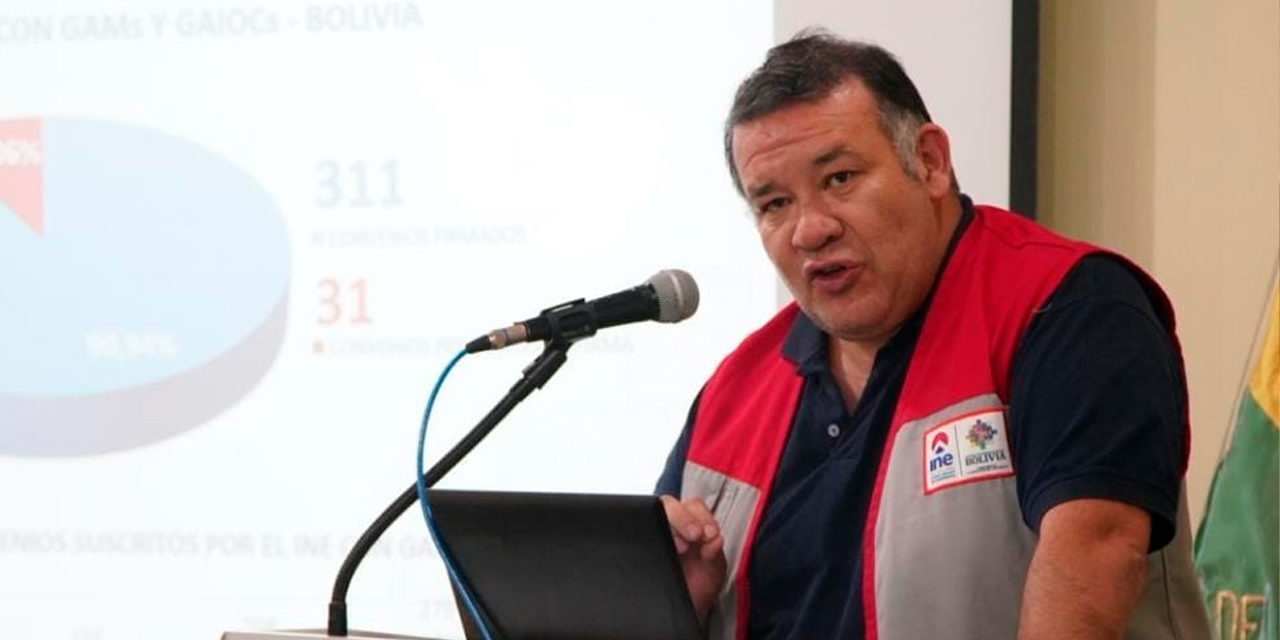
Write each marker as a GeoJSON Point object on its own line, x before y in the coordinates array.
{"type": "Point", "coordinates": [704, 519]}
{"type": "Point", "coordinates": [692, 524]}
{"type": "Point", "coordinates": [679, 518]}
{"type": "Point", "coordinates": [712, 549]}
{"type": "Point", "coordinates": [701, 547]}
{"type": "Point", "coordinates": [691, 520]}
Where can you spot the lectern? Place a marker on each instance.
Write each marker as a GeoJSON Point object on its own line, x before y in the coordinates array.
{"type": "Point", "coordinates": [313, 634]}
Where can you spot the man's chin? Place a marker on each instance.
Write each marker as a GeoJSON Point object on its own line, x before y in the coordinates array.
{"type": "Point", "coordinates": [850, 329]}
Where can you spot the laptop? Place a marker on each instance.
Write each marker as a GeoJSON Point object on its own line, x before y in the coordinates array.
{"type": "Point", "coordinates": [557, 566]}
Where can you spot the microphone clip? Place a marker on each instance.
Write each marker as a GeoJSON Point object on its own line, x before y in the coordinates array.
{"type": "Point", "coordinates": [567, 322]}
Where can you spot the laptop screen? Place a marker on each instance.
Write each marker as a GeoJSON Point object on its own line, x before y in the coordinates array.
{"type": "Point", "coordinates": [546, 566]}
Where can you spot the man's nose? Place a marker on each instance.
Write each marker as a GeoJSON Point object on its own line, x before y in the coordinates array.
{"type": "Point", "coordinates": [815, 227]}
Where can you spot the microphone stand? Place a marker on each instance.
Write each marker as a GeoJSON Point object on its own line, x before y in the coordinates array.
{"type": "Point", "coordinates": [535, 375]}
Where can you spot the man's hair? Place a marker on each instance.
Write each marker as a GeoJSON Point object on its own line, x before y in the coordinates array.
{"type": "Point", "coordinates": [809, 67]}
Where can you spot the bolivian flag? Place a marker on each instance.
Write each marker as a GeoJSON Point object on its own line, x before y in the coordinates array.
{"type": "Point", "coordinates": [1236, 547]}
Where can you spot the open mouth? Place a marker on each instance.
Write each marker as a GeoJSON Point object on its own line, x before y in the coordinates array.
{"type": "Point", "coordinates": [828, 271]}
{"type": "Point", "coordinates": [832, 277]}
{"type": "Point", "coordinates": [825, 270]}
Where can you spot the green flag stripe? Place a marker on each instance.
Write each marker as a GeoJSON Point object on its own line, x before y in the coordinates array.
{"type": "Point", "coordinates": [1236, 549]}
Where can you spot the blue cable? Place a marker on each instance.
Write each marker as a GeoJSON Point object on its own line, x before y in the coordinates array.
{"type": "Point", "coordinates": [463, 589]}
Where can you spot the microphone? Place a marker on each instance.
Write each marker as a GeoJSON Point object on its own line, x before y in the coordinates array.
{"type": "Point", "coordinates": [670, 295]}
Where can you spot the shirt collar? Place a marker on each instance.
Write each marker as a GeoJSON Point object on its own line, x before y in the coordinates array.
{"type": "Point", "coordinates": [806, 344]}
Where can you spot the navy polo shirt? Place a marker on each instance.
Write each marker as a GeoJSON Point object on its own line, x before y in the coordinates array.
{"type": "Point", "coordinates": [1096, 410]}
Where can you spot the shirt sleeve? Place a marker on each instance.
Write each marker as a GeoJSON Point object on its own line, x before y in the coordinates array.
{"type": "Point", "coordinates": [672, 478]}
{"type": "Point", "coordinates": [1098, 400]}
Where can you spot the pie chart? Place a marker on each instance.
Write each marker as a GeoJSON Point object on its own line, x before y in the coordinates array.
{"type": "Point", "coordinates": [144, 282]}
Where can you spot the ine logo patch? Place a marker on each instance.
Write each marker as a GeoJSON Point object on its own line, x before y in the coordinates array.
{"type": "Point", "coordinates": [941, 442]}
{"type": "Point", "coordinates": [968, 449]}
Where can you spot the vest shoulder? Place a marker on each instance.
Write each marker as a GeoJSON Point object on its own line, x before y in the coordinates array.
{"type": "Point", "coordinates": [1028, 248]}
{"type": "Point", "coordinates": [1020, 233]}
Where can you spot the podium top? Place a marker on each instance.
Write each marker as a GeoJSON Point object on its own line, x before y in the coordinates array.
{"type": "Point", "coordinates": [314, 634]}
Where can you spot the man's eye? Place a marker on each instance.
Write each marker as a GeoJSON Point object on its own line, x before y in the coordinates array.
{"type": "Point", "coordinates": [770, 206]}
{"type": "Point", "coordinates": [839, 178]}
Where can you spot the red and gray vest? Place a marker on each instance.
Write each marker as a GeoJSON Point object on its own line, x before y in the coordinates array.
{"type": "Point", "coordinates": [945, 548]}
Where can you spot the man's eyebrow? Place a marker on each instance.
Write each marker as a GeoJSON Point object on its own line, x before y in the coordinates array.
{"type": "Point", "coordinates": [825, 158]}
{"type": "Point", "coordinates": [831, 156]}
{"type": "Point", "coordinates": [763, 189]}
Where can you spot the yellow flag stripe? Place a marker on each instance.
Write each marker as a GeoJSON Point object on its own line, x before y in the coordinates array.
{"type": "Point", "coordinates": [1264, 384]}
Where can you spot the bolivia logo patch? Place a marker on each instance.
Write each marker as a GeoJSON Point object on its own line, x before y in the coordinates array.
{"type": "Point", "coordinates": [970, 448]}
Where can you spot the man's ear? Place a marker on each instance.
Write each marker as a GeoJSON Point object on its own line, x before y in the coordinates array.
{"type": "Point", "coordinates": [933, 158]}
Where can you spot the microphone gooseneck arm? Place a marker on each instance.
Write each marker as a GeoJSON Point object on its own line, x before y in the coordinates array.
{"type": "Point", "coordinates": [535, 375]}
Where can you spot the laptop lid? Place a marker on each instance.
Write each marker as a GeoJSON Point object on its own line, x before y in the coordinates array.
{"type": "Point", "coordinates": [562, 566]}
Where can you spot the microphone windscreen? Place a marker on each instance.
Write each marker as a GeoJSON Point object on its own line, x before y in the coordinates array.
{"type": "Point", "coordinates": [677, 294]}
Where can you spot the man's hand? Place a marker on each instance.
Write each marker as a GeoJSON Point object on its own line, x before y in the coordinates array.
{"type": "Point", "coordinates": [701, 550]}
{"type": "Point", "coordinates": [1087, 573]}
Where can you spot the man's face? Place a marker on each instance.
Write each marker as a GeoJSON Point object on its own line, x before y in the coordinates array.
{"type": "Point", "coordinates": [857, 240]}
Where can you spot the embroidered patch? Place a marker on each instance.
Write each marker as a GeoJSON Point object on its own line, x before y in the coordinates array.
{"type": "Point", "coordinates": [970, 448]}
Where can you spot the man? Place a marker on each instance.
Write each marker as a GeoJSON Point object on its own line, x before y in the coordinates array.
{"type": "Point", "coordinates": [966, 427]}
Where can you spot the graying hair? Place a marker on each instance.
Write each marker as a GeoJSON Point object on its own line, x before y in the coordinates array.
{"type": "Point", "coordinates": [809, 67]}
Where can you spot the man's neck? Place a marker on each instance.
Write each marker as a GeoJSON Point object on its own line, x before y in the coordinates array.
{"type": "Point", "coordinates": [851, 364]}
